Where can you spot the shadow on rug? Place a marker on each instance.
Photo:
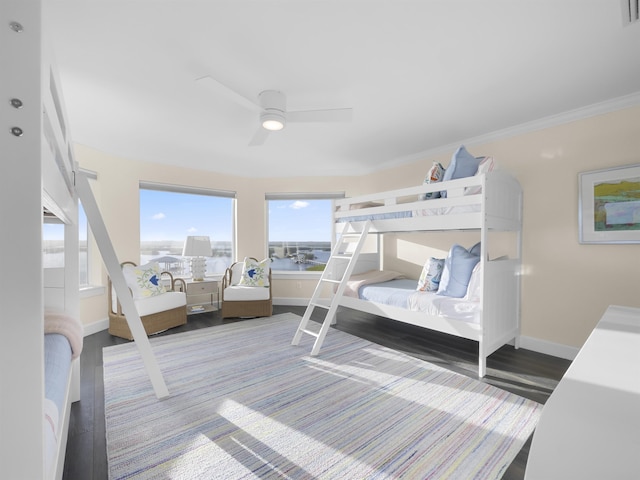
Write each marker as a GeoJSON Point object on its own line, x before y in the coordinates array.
{"type": "Point", "coordinates": [244, 403]}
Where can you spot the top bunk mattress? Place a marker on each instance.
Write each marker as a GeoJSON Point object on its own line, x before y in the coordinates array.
{"type": "Point", "coordinates": [421, 212]}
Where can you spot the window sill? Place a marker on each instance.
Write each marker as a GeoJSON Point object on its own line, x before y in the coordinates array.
{"type": "Point", "coordinates": [293, 275]}
{"type": "Point", "coordinates": [87, 291]}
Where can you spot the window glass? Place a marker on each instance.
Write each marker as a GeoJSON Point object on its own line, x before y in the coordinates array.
{"type": "Point", "coordinates": [168, 217]}
{"type": "Point", "coordinates": [52, 244]}
{"type": "Point", "coordinates": [299, 233]}
{"type": "Point", "coordinates": [83, 235]}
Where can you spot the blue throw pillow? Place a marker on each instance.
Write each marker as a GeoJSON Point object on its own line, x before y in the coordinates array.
{"type": "Point", "coordinates": [476, 249]}
{"type": "Point", "coordinates": [457, 272]}
{"type": "Point", "coordinates": [462, 165]}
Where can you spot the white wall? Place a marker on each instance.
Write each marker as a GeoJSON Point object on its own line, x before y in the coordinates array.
{"type": "Point", "coordinates": [566, 286]}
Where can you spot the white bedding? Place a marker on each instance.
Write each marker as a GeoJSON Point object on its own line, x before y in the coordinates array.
{"type": "Point", "coordinates": [402, 293]}
{"type": "Point", "coordinates": [457, 308]}
{"type": "Point", "coordinates": [446, 210]}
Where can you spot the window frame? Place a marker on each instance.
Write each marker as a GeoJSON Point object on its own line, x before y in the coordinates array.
{"type": "Point", "coordinates": [293, 196]}
{"type": "Point", "coordinates": [191, 190]}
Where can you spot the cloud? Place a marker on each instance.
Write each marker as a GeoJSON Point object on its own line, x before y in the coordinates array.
{"type": "Point", "coordinates": [192, 230]}
{"type": "Point", "coordinates": [298, 204]}
{"type": "Point", "coordinates": [159, 216]}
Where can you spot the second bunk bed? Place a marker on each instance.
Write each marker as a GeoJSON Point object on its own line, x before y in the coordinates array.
{"type": "Point", "coordinates": [488, 309]}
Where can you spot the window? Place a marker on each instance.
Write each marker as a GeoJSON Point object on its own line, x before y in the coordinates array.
{"type": "Point", "coordinates": [83, 247]}
{"type": "Point", "coordinates": [85, 242]}
{"type": "Point", "coordinates": [300, 230]}
{"type": "Point", "coordinates": [169, 213]}
{"type": "Point", "coordinates": [52, 243]}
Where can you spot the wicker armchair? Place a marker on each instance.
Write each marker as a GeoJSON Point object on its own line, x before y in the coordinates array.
{"type": "Point", "coordinates": [157, 313]}
{"type": "Point", "coordinates": [242, 300]}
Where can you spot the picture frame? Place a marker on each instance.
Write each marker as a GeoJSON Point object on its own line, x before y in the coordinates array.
{"type": "Point", "coordinates": [609, 205]}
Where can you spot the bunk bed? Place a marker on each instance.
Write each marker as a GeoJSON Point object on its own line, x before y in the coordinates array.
{"type": "Point", "coordinates": [62, 328]}
{"type": "Point", "coordinates": [489, 311]}
{"type": "Point", "coordinates": [40, 376]}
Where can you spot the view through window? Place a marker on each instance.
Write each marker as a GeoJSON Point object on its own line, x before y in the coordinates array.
{"type": "Point", "coordinates": [168, 216]}
{"type": "Point", "coordinates": [300, 232]}
{"type": "Point", "coordinates": [83, 234]}
{"type": "Point", "coordinates": [52, 243]}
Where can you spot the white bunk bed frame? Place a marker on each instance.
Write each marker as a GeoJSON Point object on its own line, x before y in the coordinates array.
{"type": "Point", "coordinates": [498, 208]}
{"type": "Point", "coordinates": [36, 174]}
{"type": "Point", "coordinates": [38, 171]}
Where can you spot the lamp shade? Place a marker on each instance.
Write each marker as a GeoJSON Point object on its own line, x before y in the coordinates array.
{"type": "Point", "coordinates": [197, 246]}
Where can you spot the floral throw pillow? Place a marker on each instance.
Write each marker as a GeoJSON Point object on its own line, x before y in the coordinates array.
{"type": "Point", "coordinates": [255, 274]}
{"type": "Point", "coordinates": [431, 273]}
{"type": "Point", "coordinates": [435, 175]}
{"type": "Point", "coordinates": [144, 281]}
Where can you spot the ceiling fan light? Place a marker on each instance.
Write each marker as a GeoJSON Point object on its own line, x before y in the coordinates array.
{"type": "Point", "coordinates": [272, 121]}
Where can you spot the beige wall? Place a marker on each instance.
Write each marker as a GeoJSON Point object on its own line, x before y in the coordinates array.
{"type": "Point", "coordinates": [566, 286]}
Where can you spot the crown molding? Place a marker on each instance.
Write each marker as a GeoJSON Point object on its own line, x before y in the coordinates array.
{"type": "Point", "coordinates": [601, 108]}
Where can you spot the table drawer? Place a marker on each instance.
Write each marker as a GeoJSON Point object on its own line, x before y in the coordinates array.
{"type": "Point", "coordinates": [198, 288]}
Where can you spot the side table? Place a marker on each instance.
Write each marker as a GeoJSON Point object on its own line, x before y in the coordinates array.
{"type": "Point", "coordinates": [202, 296]}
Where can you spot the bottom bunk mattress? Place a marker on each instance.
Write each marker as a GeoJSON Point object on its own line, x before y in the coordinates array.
{"type": "Point", "coordinates": [63, 341]}
{"type": "Point", "coordinates": [57, 369]}
{"type": "Point", "coordinates": [402, 293]}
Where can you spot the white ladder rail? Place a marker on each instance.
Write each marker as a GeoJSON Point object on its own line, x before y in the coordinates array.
{"type": "Point", "coordinates": [337, 255]}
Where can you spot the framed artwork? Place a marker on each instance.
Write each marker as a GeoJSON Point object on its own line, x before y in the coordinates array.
{"type": "Point", "coordinates": [609, 205]}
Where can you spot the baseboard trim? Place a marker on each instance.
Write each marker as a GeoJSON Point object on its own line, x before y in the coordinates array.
{"type": "Point", "coordinates": [548, 348]}
{"type": "Point", "coordinates": [529, 343]}
{"type": "Point", "coordinates": [95, 327]}
{"type": "Point", "coordinates": [292, 301]}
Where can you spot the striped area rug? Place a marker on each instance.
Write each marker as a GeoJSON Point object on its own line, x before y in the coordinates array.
{"type": "Point", "coordinates": [246, 404]}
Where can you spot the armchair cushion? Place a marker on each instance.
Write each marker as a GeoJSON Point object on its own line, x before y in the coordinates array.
{"type": "Point", "coordinates": [160, 303]}
{"type": "Point", "coordinates": [237, 293]}
{"type": "Point", "coordinates": [155, 304]}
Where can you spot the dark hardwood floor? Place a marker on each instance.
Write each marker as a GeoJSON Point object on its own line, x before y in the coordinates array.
{"type": "Point", "coordinates": [529, 374]}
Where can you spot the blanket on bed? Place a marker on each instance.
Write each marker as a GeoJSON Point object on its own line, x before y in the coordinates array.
{"type": "Point", "coordinates": [70, 327]}
{"type": "Point", "coordinates": [372, 276]}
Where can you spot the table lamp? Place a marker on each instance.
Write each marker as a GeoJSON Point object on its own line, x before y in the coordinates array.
{"type": "Point", "coordinates": [197, 247]}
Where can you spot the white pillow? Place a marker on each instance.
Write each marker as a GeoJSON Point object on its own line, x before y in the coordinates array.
{"type": "Point", "coordinates": [144, 281]}
{"type": "Point", "coordinates": [487, 164]}
{"type": "Point", "coordinates": [474, 290]}
{"type": "Point", "coordinates": [255, 274]}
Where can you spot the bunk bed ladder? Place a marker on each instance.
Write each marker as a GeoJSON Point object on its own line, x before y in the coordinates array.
{"type": "Point", "coordinates": [341, 256]}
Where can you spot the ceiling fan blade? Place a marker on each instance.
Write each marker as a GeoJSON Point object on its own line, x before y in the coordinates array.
{"type": "Point", "coordinates": [223, 90]}
{"type": "Point", "coordinates": [259, 137]}
{"type": "Point", "coordinates": [335, 115]}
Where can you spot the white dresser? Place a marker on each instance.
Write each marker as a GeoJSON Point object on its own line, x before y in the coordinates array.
{"type": "Point", "coordinates": [590, 426]}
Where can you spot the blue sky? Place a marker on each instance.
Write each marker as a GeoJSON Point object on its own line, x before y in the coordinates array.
{"type": "Point", "coordinates": [168, 216]}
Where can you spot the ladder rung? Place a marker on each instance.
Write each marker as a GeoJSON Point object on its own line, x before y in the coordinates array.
{"type": "Point", "coordinates": [342, 257]}
{"type": "Point", "coordinates": [321, 305]}
{"type": "Point", "coordinates": [311, 332]}
{"type": "Point", "coordinates": [330, 280]}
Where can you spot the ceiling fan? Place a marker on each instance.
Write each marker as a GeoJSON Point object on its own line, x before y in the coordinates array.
{"type": "Point", "coordinates": [271, 106]}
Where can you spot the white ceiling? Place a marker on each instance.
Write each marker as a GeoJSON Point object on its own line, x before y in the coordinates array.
{"type": "Point", "coordinates": [421, 76]}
